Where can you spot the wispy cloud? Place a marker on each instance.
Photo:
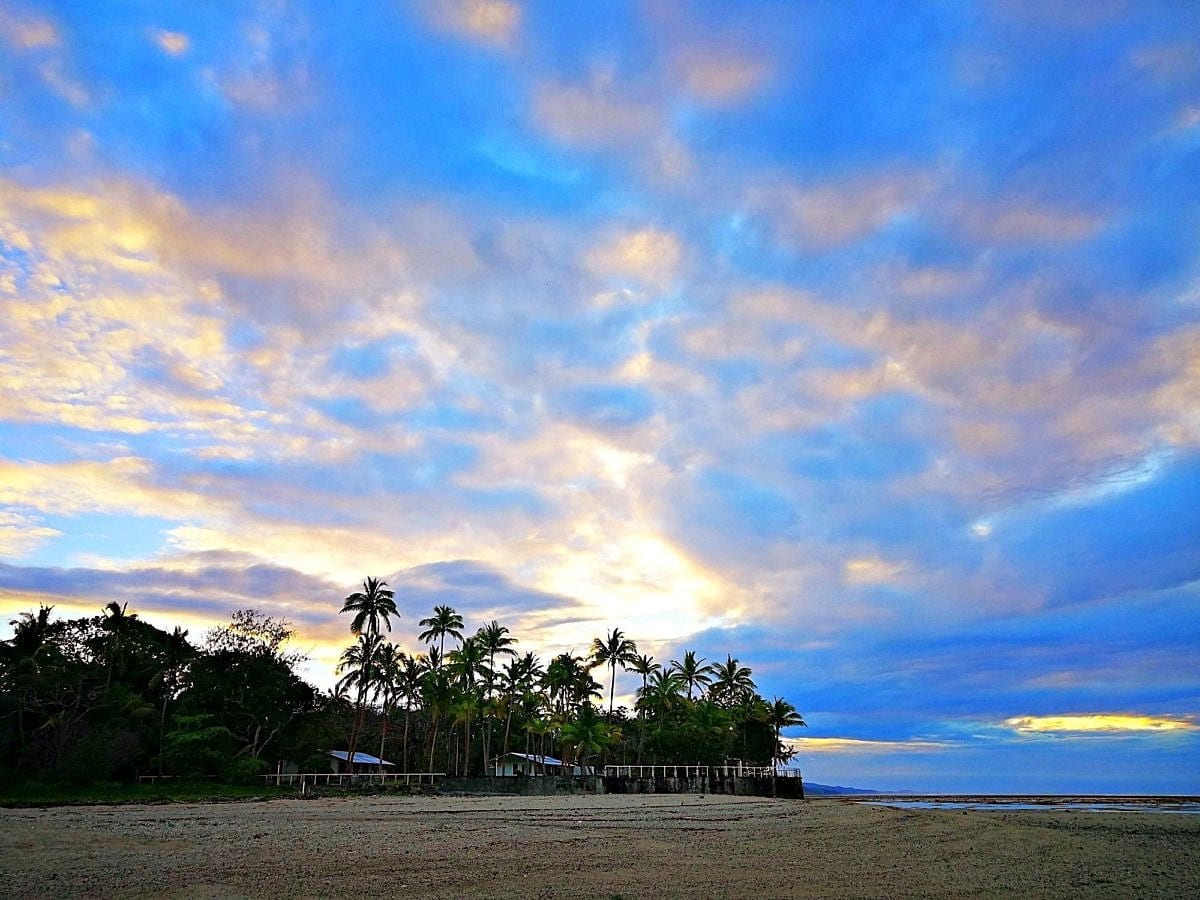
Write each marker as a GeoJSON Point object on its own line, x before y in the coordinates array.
{"type": "Point", "coordinates": [1098, 723]}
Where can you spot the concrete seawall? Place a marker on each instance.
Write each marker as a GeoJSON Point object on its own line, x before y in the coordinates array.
{"type": "Point", "coordinates": [551, 785]}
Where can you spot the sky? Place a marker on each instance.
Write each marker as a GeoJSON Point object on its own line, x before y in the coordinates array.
{"type": "Point", "coordinates": [860, 341]}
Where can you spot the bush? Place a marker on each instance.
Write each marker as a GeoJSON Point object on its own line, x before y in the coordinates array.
{"type": "Point", "coordinates": [244, 770]}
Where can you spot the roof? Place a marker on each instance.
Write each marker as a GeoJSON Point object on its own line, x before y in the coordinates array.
{"type": "Point", "coordinates": [531, 757]}
{"type": "Point", "coordinates": [360, 758]}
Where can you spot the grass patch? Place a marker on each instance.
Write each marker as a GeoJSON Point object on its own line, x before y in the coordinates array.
{"type": "Point", "coordinates": [109, 793]}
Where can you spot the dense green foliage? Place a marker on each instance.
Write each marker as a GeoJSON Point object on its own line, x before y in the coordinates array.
{"type": "Point", "coordinates": [110, 698]}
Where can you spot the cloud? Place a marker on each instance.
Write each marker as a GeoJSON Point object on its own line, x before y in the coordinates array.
{"type": "Point", "coordinates": [829, 214]}
{"type": "Point", "coordinates": [1024, 222]}
{"type": "Point", "coordinates": [1167, 62]}
{"type": "Point", "coordinates": [493, 22]}
{"type": "Point", "coordinates": [858, 746]}
{"type": "Point", "coordinates": [19, 534]}
{"type": "Point", "coordinates": [173, 43]}
{"type": "Point", "coordinates": [722, 78]}
{"type": "Point", "coordinates": [28, 32]}
{"type": "Point", "coordinates": [1098, 723]}
{"type": "Point", "coordinates": [648, 255]}
{"type": "Point", "coordinates": [592, 115]}
{"type": "Point", "coordinates": [40, 40]}
{"type": "Point", "coordinates": [872, 570]}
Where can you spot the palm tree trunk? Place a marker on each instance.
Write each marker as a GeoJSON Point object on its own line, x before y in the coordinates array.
{"type": "Point", "coordinates": [406, 711]}
{"type": "Point", "coordinates": [507, 729]}
{"type": "Point", "coordinates": [433, 743]}
{"type": "Point", "coordinates": [612, 686]}
{"type": "Point", "coordinates": [467, 745]}
{"type": "Point", "coordinates": [383, 739]}
{"type": "Point", "coordinates": [354, 726]}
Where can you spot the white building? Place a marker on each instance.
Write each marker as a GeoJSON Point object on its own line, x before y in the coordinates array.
{"type": "Point", "coordinates": [529, 764]}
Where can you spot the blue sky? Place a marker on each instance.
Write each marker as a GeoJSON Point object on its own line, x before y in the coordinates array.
{"type": "Point", "coordinates": [859, 341]}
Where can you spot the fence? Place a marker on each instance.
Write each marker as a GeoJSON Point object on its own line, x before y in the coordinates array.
{"type": "Point", "coordinates": [345, 778]}
{"type": "Point", "coordinates": [738, 771]}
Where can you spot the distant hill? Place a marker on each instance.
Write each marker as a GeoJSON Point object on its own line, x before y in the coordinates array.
{"type": "Point", "coordinates": [812, 789]}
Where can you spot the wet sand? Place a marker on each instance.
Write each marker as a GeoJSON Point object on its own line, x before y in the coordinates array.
{"type": "Point", "coordinates": [591, 846]}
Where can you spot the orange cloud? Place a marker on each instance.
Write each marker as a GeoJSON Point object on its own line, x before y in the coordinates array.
{"type": "Point", "coordinates": [857, 746]}
{"type": "Point", "coordinates": [28, 33]}
{"type": "Point", "coordinates": [495, 22]}
{"type": "Point", "coordinates": [723, 79]}
{"type": "Point", "coordinates": [649, 255]}
{"type": "Point", "coordinates": [1099, 723]}
{"type": "Point", "coordinates": [174, 43]}
{"type": "Point", "coordinates": [592, 115]}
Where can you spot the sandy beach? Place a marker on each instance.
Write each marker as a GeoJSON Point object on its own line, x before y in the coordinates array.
{"type": "Point", "coordinates": [590, 846]}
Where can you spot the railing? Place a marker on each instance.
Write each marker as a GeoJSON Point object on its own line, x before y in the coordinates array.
{"type": "Point", "coordinates": [329, 778]}
{"type": "Point", "coordinates": [699, 772]}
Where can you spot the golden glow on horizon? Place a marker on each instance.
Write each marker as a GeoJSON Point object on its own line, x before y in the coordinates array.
{"type": "Point", "coordinates": [1098, 722]}
{"type": "Point", "coordinates": [857, 745]}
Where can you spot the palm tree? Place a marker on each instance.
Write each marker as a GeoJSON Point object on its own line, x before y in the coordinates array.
{"type": "Point", "coordinates": [358, 662]}
{"type": "Point", "coordinates": [693, 671]}
{"type": "Point", "coordinates": [20, 658]}
{"type": "Point", "coordinates": [663, 694]}
{"type": "Point", "coordinates": [467, 665]}
{"type": "Point", "coordinates": [494, 639]}
{"type": "Point", "coordinates": [782, 715]}
{"type": "Point", "coordinates": [437, 695]}
{"type": "Point", "coordinates": [568, 683]}
{"type": "Point", "coordinates": [374, 603]}
{"type": "Point", "coordinates": [613, 650]}
{"type": "Point", "coordinates": [408, 689]}
{"type": "Point", "coordinates": [177, 651]}
{"type": "Point", "coordinates": [731, 682]}
{"type": "Point", "coordinates": [387, 685]}
{"type": "Point", "coordinates": [117, 623]}
{"type": "Point", "coordinates": [518, 680]}
{"type": "Point", "coordinates": [645, 666]}
{"type": "Point", "coordinates": [586, 735]}
{"type": "Point", "coordinates": [444, 621]}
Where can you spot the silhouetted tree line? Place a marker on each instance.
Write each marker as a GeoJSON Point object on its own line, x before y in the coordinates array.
{"type": "Point", "coordinates": [111, 697]}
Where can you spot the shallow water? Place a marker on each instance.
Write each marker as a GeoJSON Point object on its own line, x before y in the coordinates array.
{"type": "Point", "coordinates": [1157, 806]}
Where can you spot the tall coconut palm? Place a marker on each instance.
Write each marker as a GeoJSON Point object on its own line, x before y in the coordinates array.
{"type": "Point", "coordinates": [694, 672]}
{"type": "Point", "coordinates": [437, 696]}
{"type": "Point", "coordinates": [495, 640]}
{"type": "Point", "coordinates": [782, 715]}
{"type": "Point", "coordinates": [645, 666]}
{"type": "Point", "coordinates": [568, 683]}
{"type": "Point", "coordinates": [375, 603]}
{"type": "Point", "coordinates": [731, 682]}
{"type": "Point", "coordinates": [586, 735]}
{"type": "Point", "coordinates": [613, 650]}
{"type": "Point", "coordinates": [468, 665]}
{"type": "Point", "coordinates": [386, 686]}
{"type": "Point", "coordinates": [663, 694]}
{"type": "Point", "coordinates": [117, 622]}
{"type": "Point", "coordinates": [176, 653]}
{"type": "Point", "coordinates": [20, 659]}
{"type": "Point", "coordinates": [358, 663]}
{"type": "Point", "coordinates": [444, 621]}
{"type": "Point", "coordinates": [518, 680]}
{"type": "Point", "coordinates": [408, 688]}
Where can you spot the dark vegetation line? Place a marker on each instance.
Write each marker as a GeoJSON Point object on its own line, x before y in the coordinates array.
{"type": "Point", "coordinates": [109, 698]}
